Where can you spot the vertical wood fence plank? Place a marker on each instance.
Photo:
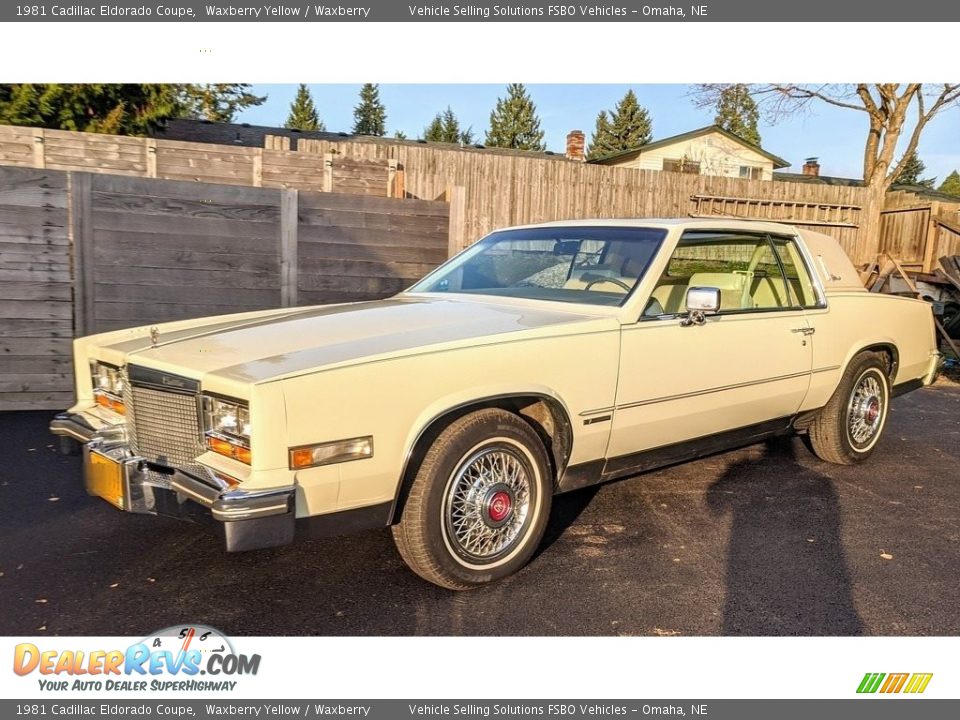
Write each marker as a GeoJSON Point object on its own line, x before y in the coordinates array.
{"type": "Point", "coordinates": [930, 239]}
{"type": "Point", "coordinates": [289, 228]}
{"type": "Point", "coordinates": [457, 197]}
{"type": "Point", "coordinates": [81, 237]}
{"type": "Point", "coordinates": [39, 151]}
{"type": "Point", "coordinates": [257, 179]}
{"type": "Point", "coordinates": [328, 173]}
{"type": "Point", "coordinates": [391, 178]}
{"type": "Point", "coordinates": [150, 148]}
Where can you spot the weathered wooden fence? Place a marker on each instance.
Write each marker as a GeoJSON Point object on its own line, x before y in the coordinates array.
{"type": "Point", "coordinates": [273, 166]}
{"type": "Point", "coordinates": [82, 253]}
{"type": "Point", "coordinates": [498, 188]}
{"type": "Point", "coordinates": [509, 189]}
{"type": "Point", "coordinates": [36, 306]}
{"type": "Point", "coordinates": [918, 231]}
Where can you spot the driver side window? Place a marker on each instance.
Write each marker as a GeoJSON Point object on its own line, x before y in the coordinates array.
{"type": "Point", "coordinates": [742, 267]}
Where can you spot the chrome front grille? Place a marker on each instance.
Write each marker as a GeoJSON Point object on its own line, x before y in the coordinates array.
{"type": "Point", "coordinates": [164, 426]}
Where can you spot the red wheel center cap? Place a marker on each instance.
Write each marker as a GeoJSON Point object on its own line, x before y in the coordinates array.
{"type": "Point", "coordinates": [499, 506]}
{"type": "Point", "coordinates": [873, 409]}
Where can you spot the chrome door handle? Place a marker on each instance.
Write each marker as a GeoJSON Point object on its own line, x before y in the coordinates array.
{"type": "Point", "coordinates": [805, 330]}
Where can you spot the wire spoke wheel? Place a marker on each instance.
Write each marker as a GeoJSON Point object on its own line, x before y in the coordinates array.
{"type": "Point", "coordinates": [479, 503]}
{"type": "Point", "coordinates": [487, 503]}
{"type": "Point", "coordinates": [865, 411]}
{"type": "Point", "coordinates": [847, 429]}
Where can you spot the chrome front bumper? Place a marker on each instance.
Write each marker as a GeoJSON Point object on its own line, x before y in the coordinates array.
{"type": "Point", "coordinates": [249, 520]}
{"type": "Point", "coordinates": [83, 428]}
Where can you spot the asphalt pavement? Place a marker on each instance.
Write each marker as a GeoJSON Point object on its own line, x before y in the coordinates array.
{"type": "Point", "coordinates": [766, 540]}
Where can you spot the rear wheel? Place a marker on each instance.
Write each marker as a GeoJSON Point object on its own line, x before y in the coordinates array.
{"type": "Point", "coordinates": [850, 424]}
{"type": "Point", "coordinates": [479, 504]}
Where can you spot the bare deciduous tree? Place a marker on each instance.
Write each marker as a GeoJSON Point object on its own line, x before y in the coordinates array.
{"type": "Point", "coordinates": [896, 113]}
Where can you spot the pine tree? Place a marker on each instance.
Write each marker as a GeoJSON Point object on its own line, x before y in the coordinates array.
{"type": "Point", "coordinates": [445, 127]}
{"type": "Point", "coordinates": [514, 122]}
{"type": "Point", "coordinates": [219, 102]}
{"type": "Point", "coordinates": [951, 186]}
{"type": "Point", "coordinates": [120, 109]}
{"type": "Point", "coordinates": [303, 113]}
{"type": "Point", "coordinates": [627, 127]}
{"type": "Point", "coordinates": [434, 131]}
{"type": "Point", "coordinates": [400, 135]}
{"type": "Point", "coordinates": [913, 168]}
{"type": "Point", "coordinates": [601, 139]}
{"type": "Point", "coordinates": [370, 116]}
{"type": "Point", "coordinates": [737, 113]}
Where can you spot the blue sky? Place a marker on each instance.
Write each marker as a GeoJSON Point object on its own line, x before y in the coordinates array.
{"type": "Point", "coordinates": [835, 136]}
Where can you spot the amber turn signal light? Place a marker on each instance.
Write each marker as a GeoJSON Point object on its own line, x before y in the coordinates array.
{"type": "Point", "coordinates": [105, 401]}
{"type": "Point", "coordinates": [229, 449]}
{"type": "Point", "coordinates": [329, 453]}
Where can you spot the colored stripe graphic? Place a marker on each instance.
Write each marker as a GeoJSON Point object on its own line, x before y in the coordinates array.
{"type": "Point", "coordinates": [894, 683]}
{"type": "Point", "coordinates": [870, 682]}
{"type": "Point", "coordinates": [918, 682]}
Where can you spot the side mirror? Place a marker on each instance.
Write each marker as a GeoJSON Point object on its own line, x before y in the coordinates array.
{"type": "Point", "coordinates": [701, 301]}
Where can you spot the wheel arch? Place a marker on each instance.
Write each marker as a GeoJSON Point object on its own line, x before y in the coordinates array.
{"type": "Point", "coordinates": [884, 347]}
{"type": "Point", "coordinates": [887, 348]}
{"type": "Point", "coordinates": [545, 413]}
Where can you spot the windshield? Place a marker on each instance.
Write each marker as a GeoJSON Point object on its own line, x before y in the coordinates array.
{"type": "Point", "coordinates": [594, 265]}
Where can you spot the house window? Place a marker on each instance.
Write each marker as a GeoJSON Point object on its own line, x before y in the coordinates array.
{"type": "Point", "coordinates": [683, 165]}
{"type": "Point", "coordinates": [751, 173]}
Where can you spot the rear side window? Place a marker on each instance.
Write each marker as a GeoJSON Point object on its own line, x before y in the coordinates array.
{"type": "Point", "coordinates": [797, 274]}
{"type": "Point", "coordinates": [743, 267]}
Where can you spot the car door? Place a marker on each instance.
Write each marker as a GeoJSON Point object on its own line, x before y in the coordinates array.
{"type": "Point", "coordinates": [745, 368]}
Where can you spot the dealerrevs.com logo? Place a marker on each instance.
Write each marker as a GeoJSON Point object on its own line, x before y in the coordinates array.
{"type": "Point", "coordinates": [887, 684]}
{"type": "Point", "coordinates": [172, 659]}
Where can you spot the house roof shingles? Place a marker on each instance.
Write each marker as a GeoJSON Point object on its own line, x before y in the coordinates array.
{"type": "Point", "coordinates": [778, 162]}
{"type": "Point", "coordinates": [247, 135]}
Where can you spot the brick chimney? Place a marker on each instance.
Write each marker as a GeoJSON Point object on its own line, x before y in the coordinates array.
{"type": "Point", "coordinates": [811, 167]}
{"type": "Point", "coordinates": [575, 143]}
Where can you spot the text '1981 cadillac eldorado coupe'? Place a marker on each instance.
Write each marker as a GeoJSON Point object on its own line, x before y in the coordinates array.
{"type": "Point", "coordinates": [540, 360]}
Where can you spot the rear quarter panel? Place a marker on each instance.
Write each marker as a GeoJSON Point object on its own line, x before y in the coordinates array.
{"type": "Point", "coordinates": [857, 320]}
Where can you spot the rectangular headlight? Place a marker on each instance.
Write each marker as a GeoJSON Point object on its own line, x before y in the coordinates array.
{"type": "Point", "coordinates": [328, 453]}
{"type": "Point", "coordinates": [228, 417]}
{"type": "Point", "coordinates": [226, 424]}
{"type": "Point", "coordinates": [107, 386]}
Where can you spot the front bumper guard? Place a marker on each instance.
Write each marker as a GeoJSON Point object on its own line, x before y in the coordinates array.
{"type": "Point", "coordinates": [936, 363]}
{"type": "Point", "coordinates": [248, 519]}
{"type": "Point", "coordinates": [84, 428]}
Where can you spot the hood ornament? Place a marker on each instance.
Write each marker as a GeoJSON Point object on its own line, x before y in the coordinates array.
{"type": "Point", "coordinates": [154, 335]}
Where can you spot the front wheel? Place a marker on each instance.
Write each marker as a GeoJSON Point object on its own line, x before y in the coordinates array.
{"type": "Point", "coordinates": [479, 504]}
{"type": "Point", "coordinates": [848, 427]}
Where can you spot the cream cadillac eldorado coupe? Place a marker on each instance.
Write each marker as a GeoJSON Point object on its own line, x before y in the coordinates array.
{"type": "Point", "coordinates": [540, 360]}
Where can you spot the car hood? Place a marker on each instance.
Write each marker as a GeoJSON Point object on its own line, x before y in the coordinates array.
{"type": "Point", "coordinates": [260, 348]}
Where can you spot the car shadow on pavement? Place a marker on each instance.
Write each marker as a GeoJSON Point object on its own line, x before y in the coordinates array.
{"type": "Point", "coordinates": [564, 513]}
{"type": "Point", "coordinates": [786, 569]}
